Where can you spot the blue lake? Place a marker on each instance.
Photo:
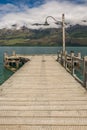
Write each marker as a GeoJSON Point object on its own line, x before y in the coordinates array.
{"type": "Point", "coordinates": [5, 74]}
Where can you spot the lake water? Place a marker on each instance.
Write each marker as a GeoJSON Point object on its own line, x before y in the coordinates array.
{"type": "Point", "coordinates": [5, 74]}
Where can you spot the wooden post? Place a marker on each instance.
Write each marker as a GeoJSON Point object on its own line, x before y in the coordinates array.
{"type": "Point", "coordinates": [5, 55]}
{"type": "Point", "coordinates": [14, 53]}
{"type": "Point", "coordinates": [66, 60]}
{"type": "Point", "coordinates": [6, 62]}
{"type": "Point", "coordinates": [58, 53]}
{"type": "Point", "coordinates": [72, 63]}
{"type": "Point", "coordinates": [63, 32]}
{"type": "Point", "coordinates": [86, 78]}
{"type": "Point", "coordinates": [79, 55]}
{"type": "Point", "coordinates": [85, 71]}
{"type": "Point", "coordinates": [17, 64]}
{"type": "Point", "coordinates": [61, 57]}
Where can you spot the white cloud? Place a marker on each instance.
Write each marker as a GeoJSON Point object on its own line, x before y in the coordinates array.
{"type": "Point", "coordinates": [8, 8]}
{"type": "Point", "coordinates": [73, 13]}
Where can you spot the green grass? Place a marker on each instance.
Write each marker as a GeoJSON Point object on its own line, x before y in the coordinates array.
{"type": "Point", "coordinates": [47, 37]}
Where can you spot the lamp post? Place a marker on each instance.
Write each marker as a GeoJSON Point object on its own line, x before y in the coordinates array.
{"type": "Point", "coordinates": [63, 28]}
{"type": "Point", "coordinates": [63, 32]}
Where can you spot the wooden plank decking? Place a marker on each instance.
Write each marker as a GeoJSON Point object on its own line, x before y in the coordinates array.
{"type": "Point", "coordinates": [42, 95]}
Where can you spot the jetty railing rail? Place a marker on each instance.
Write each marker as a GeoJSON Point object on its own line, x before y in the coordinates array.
{"type": "Point", "coordinates": [74, 64]}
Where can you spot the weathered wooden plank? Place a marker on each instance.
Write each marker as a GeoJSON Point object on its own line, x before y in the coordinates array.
{"type": "Point", "coordinates": [19, 103]}
{"type": "Point", "coordinates": [42, 127]}
{"type": "Point", "coordinates": [43, 121]}
{"type": "Point", "coordinates": [46, 114]}
{"type": "Point", "coordinates": [42, 99]}
{"type": "Point", "coordinates": [36, 91]}
{"type": "Point", "coordinates": [45, 108]}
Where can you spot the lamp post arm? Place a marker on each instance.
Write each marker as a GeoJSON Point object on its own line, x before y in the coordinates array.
{"type": "Point", "coordinates": [63, 29]}
{"type": "Point", "coordinates": [53, 19]}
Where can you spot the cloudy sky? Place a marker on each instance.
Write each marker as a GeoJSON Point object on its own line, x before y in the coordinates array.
{"type": "Point", "coordinates": [28, 12]}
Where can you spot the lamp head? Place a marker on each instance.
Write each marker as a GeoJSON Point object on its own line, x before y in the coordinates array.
{"type": "Point", "coordinates": [37, 24]}
{"type": "Point", "coordinates": [46, 23]}
{"type": "Point", "coordinates": [58, 23]}
{"type": "Point", "coordinates": [84, 21]}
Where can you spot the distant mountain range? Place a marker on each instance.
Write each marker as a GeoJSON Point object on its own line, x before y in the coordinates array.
{"type": "Point", "coordinates": [75, 36]}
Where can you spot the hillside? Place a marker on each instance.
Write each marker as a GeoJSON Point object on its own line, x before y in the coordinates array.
{"type": "Point", "coordinates": [75, 36]}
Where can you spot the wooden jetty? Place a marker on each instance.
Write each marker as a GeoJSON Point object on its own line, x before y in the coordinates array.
{"type": "Point", "coordinates": [42, 95]}
{"type": "Point", "coordinates": [14, 62]}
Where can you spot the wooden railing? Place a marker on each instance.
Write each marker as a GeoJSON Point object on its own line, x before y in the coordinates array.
{"type": "Point", "coordinates": [74, 64]}
{"type": "Point", "coordinates": [14, 62]}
